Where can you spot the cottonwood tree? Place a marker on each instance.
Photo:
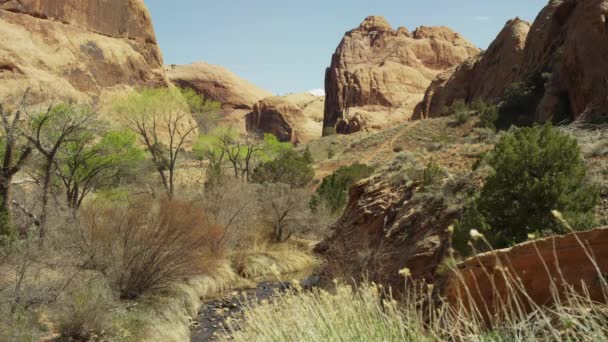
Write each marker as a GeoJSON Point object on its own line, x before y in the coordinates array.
{"type": "Point", "coordinates": [14, 151]}
{"type": "Point", "coordinates": [85, 165]}
{"type": "Point", "coordinates": [162, 120]}
{"type": "Point", "coordinates": [207, 112]}
{"type": "Point", "coordinates": [243, 155]}
{"type": "Point", "coordinates": [48, 132]}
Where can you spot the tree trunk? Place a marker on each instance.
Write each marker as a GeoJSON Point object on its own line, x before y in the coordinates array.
{"type": "Point", "coordinates": [45, 198]}
{"type": "Point", "coordinates": [6, 227]}
{"type": "Point", "coordinates": [171, 184]}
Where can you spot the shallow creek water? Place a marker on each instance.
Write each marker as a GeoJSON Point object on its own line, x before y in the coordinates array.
{"type": "Point", "coordinates": [212, 318]}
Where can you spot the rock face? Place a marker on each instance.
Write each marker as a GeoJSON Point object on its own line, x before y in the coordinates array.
{"type": "Point", "coordinates": [295, 118]}
{"type": "Point", "coordinates": [381, 73]}
{"type": "Point", "coordinates": [383, 230]}
{"type": "Point", "coordinates": [567, 45]}
{"type": "Point", "coordinates": [76, 50]}
{"type": "Point", "coordinates": [217, 83]}
{"type": "Point", "coordinates": [485, 76]}
{"type": "Point", "coordinates": [540, 267]}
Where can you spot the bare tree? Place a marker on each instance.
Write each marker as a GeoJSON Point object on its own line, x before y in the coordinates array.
{"type": "Point", "coordinates": [49, 130]}
{"type": "Point", "coordinates": [286, 209]}
{"type": "Point", "coordinates": [15, 152]}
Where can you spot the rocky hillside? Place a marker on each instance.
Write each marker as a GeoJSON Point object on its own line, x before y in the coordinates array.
{"type": "Point", "coordinates": [382, 73]}
{"type": "Point", "coordinates": [217, 83]}
{"type": "Point", "coordinates": [79, 50]}
{"type": "Point", "coordinates": [295, 118]}
{"type": "Point", "coordinates": [485, 76]}
{"type": "Point", "coordinates": [562, 54]}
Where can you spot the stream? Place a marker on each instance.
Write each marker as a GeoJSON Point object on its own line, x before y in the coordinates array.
{"type": "Point", "coordinates": [210, 323]}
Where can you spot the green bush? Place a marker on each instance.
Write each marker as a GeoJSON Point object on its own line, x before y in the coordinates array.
{"type": "Point", "coordinates": [536, 170]}
{"type": "Point", "coordinates": [519, 103]}
{"type": "Point", "coordinates": [84, 314]}
{"type": "Point", "coordinates": [488, 116]}
{"type": "Point", "coordinates": [333, 189]}
{"type": "Point", "coordinates": [460, 110]}
{"type": "Point", "coordinates": [290, 167]}
{"type": "Point", "coordinates": [432, 174]}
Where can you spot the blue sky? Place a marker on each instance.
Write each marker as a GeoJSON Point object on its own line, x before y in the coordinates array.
{"type": "Point", "coordinates": [285, 46]}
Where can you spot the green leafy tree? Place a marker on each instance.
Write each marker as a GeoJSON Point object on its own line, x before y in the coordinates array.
{"type": "Point", "coordinates": [163, 121]}
{"type": "Point", "coordinates": [333, 191]}
{"type": "Point", "coordinates": [290, 167]}
{"type": "Point", "coordinates": [537, 170]}
{"type": "Point", "coordinates": [84, 165]}
{"type": "Point", "coordinates": [206, 112]}
{"type": "Point", "coordinates": [224, 146]}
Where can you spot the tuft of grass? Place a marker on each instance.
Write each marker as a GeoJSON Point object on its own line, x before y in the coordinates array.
{"type": "Point", "coordinates": [264, 260]}
{"type": "Point", "coordinates": [347, 315]}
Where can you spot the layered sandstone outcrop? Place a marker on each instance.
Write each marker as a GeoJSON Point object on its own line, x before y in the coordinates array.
{"type": "Point", "coordinates": [295, 118]}
{"type": "Point", "coordinates": [485, 76]}
{"type": "Point", "coordinates": [383, 230]}
{"type": "Point", "coordinates": [545, 269]}
{"type": "Point", "coordinates": [381, 73]}
{"type": "Point", "coordinates": [565, 49]}
{"type": "Point", "coordinates": [217, 83]}
{"type": "Point", "coordinates": [76, 50]}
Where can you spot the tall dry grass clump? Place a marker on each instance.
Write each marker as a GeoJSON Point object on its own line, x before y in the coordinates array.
{"type": "Point", "coordinates": [149, 245]}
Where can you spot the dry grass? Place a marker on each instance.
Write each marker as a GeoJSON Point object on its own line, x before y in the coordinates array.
{"type": "Point", "coordinates": [368, 313]}
{"type": "Point", "coordinates": [264, 260]}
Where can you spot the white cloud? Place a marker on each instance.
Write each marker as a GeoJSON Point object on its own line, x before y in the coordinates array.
{"type": "Point", "coordinates": [317, 92]}
{"type": "Point", "coordinates": [482, 18]}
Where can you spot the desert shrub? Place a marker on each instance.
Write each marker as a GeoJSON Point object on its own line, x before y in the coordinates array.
{"type": "Point", "coordinates": [284, 209]}
{"type": "Point", "coordinates": [431, 175]}
{"type": "Point", "coordinates": [488, 116]}
{"type": "Point", "coordinates": [333, 189]}
{"type": "Point", "coordinates": [519, 103]}
{"type": "Point", "coordinates": [148, 245]}
{"type": "Point", "coordinates": [290, 167]}
{"type": "Point", "coordinates": [536, 170]}
{"type": "Point", "coordinates": [83, 313]}
{"type": "Point", "coordinates": [459, 110]}
{"type": "Point", "coordinates": [20, 325]}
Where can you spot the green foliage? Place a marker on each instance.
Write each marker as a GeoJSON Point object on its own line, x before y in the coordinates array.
{"type": "Point", "coordinates": [84, 313]}
{"type": "Point", "coordinates": [488, 113]}
{"type": "Point", "coordinates": [459, 110]}
{"type": "Point", "coordinates": [431, 175]}
{"type": "Point", "coordinates": [290, 167]}
{"type": "Point", "coordinates": [488, 116]}
{"type": "Point", "coordinates": [85, 164]}
{"type": "Point", "coordinates": [537, 170]}
{"type": "Point", "coordinates": [333, 189]}
{"type": "Point", "coordinates": [519, 103]}
{"type": "Point", "coordinates": [206, 112]}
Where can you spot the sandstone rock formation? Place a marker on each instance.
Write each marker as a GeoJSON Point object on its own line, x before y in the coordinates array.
{"type": "Point", "coordinates": [540, 267]}
{"type": "Point", "coordinates": [381, 73]}
{"type": "Point", "coordinates": [383, 230]}
{"type": "Point", "coordinates": [485, 76]}
{"type": "Point", "coordinates": [76, 50]}
{"type": "Point", "coordinates": [295, 118]}
{"type": "Point", "coordinates": [217, 83]}
{"type": "Point", "coordinates": [567, 45]}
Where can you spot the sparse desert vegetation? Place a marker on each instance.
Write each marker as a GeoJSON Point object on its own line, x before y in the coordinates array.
{"type": "Point", "coordinates": [432, 191]}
